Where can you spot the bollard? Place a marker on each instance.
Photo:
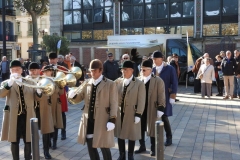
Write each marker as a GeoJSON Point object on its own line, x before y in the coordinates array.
{"type": "Point", "coordinates": [34, 138]}
{"type": "Point", "coordinates": [159, 140]}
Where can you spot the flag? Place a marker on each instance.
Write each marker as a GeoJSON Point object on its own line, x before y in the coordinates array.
{"type": "Point", "coordinates": [59, 44]}
{"type": "Point", "coordinates": [189, 56]}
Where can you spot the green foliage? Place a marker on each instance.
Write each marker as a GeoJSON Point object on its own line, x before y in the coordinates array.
{"type": "Point", "coordinates": [50, 42]}
{"type": "Point", "coordinates": [37, 7]}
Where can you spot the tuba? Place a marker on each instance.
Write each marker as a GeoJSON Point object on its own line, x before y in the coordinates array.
{"type": "Point", "coordinates": [77, 90]}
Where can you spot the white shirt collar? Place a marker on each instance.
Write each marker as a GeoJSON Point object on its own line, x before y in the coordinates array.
{"type": "Point", "coordinates": [95, 82]}
{"type": "Point", "coordinates": [159, 68]}
{"type": "Point", "coordinates": [146, 79]}
{"type": "Point", "coordinates": [127, 81]}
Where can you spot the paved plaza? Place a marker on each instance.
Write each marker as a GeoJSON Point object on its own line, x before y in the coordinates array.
{"type": "Point", "coordinates": [203, 129]}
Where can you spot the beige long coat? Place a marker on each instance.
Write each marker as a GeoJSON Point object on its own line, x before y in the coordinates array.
{"type": "Point", "coordinates": [9, 123]}
{"type": "Point", "coordinates": [56, 107]}
{"type": "Point", "coordinates": [106, 96]}
{"type": "Point", "coordinates": [156, 93]}
{"type": "Point", "coordinates": [135, 95]}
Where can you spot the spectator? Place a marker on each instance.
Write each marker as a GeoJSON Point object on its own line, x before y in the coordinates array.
{"type": "Point", "coordinates": [61, 61]}
{"type": "Point", "coordinates": [111, 68]}
{"type": "Point", "coordinates": [169, 59]}
{"type": "Point", "coordinates": [5, 70]}
{"type": "Point", "coordinates": [27, 64]}
{"type": "Point", "coordinates": [174, 63]}
{"type": "Point", "coordinates": [208, 75]}
{"type": "Point", "coordinates": [67, 61]}
{"type": "Point", "coordinates": [24, 69]}
{"type": "Point", "coordinates": [218, 75]}
{"type": "Point", "coordinates": [222, 54]}
{"type": "Point", "coordinates": [236, 91]}
{"type": "Point", "coordinates": [75, 63]}
{"type": "Point", "coordinates": [137, 59]}
{"type": "Point", "coordinates": [228, 66]}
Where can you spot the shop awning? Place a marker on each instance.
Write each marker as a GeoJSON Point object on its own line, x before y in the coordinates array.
{"type": "Point", "coordinates": [150, 45]}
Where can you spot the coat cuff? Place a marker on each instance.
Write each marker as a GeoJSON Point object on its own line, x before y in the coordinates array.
{"type": "Point", "coordinates": [138, 115]}
{"type": "Point", "coordinates": [112, 119]}
{"type": "Point", "coordinates": [173, 96]}
{"type": "Point", "coordinates": [160, 108]}
{"type": "Point", "coordinates": [7, 87]}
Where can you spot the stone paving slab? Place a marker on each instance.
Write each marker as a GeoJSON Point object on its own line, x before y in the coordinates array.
{"type": "Point", "coordinates": [203, 129]}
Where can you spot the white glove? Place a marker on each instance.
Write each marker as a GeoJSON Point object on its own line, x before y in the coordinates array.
{"type": "Point", "coordinates": [14, 76]}
{"type": "Point", "coordinates": [110, 126]}
{"type": "Point", "coordinates": [54, 67]}
{"type": "Point", "coordinates": [10, 82]}
{"type": "Point", "coordinates": [172, 101]}
{"type": "Point", "coordinates": [137, 120]}
{"type": "Point", "coordinates": [39, 91]}
{"type": "Point", "coordinates": [159, 114]}
{"type": "Point", "coordinates": [71, 94]}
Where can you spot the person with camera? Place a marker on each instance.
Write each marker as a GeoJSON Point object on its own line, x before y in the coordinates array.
{"type": "Point", "coordinates": [218, 75]}
{"type": "Point", "coordinates": [206, 75]}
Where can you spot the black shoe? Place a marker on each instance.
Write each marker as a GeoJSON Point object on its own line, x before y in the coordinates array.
{"type": "Point", "coordinates": [152, 153]}
{"type": "Point", "coordinates": [63, 138]}
{"type": "Point", "coordinates": [168, 142]}
{"type": "Point", "coordinates": [130, 156]}
{"type": "Point", "coordinates": [219, 94]}
{"type": "Point", "coordinates": [47, 155]}
{"type": "Point", "coordinates": [63, 135]}
{"type": "Point", "coordinates": [122, 156]}
{"type": "Point", "coordinates": [141, 149]}
{"type": "Point", "coordinates": [176, 100]}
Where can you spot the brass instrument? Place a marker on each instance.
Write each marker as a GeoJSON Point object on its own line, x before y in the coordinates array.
{"type": "Point", "coordinates": [77, 90]}
{"type": "Point", "coordinates": [76, 71]}
{"type": "Point", "coordinates": [45, 84]}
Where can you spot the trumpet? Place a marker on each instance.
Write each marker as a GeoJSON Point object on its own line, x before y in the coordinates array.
{"type": "Point", "coordinates": [77, 90]}
{"type": "Point", "coordinates": [76, 71]}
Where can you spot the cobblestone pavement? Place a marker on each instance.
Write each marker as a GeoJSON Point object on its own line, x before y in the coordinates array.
{"type": "Point", "coordinates": [203, 129]}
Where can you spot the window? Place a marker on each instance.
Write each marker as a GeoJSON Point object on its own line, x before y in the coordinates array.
{"type": "Point", "coordinates": [212, 7]}
{"type": "Point", "coordinates": [230, 29]}
{"type": "Point", "coordinates": [211, 30]}
{"type": "Point", "coordinates": [230, 7]}
{"type": "Point", "coordinates": [67, 35]}
{"type": "Point", "coordinates": [30, 28]}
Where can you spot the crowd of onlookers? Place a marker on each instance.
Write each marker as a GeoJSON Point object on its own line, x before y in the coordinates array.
{"type": "Point", "coordinates": [225, 71]}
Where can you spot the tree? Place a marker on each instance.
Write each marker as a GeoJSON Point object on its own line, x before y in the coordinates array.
{"type": "Point", "coordinates": [50, 42]}
{"type": "Point", "coordinates": [34, 8]}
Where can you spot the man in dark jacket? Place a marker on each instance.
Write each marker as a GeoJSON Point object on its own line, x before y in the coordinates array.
{"type": "Point", "coordinates": [5, 70]}
{"type": "Point", "coordinates": [229, 66]}
{"type": "Point", "coordinates": [111, 68]}
{"type": "Point", "coordinates": [236, 91]}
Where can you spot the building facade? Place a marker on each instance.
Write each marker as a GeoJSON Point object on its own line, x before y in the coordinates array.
{"type": "Point", "coordinates": [24, 30]}
{"type": "Point", "coordinates": [11, 38]}
{"type": "Point", "coordinates": [212, 25]}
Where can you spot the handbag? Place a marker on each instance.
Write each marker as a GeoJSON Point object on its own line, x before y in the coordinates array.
{"type": "Point", "coordinates": [200, 76]}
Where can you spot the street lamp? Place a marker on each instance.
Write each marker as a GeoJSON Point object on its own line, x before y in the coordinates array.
{"type": "Point", "coordinates": [4, 25]}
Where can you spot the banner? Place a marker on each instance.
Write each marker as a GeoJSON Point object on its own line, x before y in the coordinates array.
{"type": "Point", "coordinates": [189, 56]}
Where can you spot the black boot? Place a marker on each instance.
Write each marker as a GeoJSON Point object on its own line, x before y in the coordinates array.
{"type": "Point", "coordinates": [121, 147]}
{"type": "Point", "coordinates": [15, 151]}
{"type": "Point", "coordinates": [130, 156]}
{"type": "Point", "coordinates": [142, 147]}
{"type": "Point", "coordinates": [54, 145]}
{"type": "Point", "coordinates": [168, 142]}
{"type": "Point", "coordinates": [152, 153]}
{"type": "Point", "coordinates": [46, 140]}
{"type": "Point", "coordinates": [55, 137]}
{"type": "Point", "coordinates": [27, 151]}
{"type": "Point", "coordinates": [93, 153]}
{"type": "Point", "coordinates": [63, 130]}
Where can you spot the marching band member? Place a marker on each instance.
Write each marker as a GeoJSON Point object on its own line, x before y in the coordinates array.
{"type": "Point", "coordinates": [43, 112]}
{"type": "Point", "coordinates": [57, 63]}
{"type": "Point", "coordinates": [131, 103]}
{"type": "Point", "coordinates": [99, 114]}
{"type": "Point", "coordinates": [18, 110]}
{"type": "Point", "coordinates": [154, 105]}
{"type": "Point", "coordinates": [169, 76]}
{"type": "Point", "coordinates": [55, 102]}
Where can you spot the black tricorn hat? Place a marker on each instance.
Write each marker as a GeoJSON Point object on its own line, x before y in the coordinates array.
{"type": "Point", "coordinates": [157, 54]}
{"type": "Point", "coordinates": [52, 55]}
{"type": "Point", "coordinates": [128, 64]}
{"type": "Point", "coordinates": [33, 65]}
{"type": "Point", "coordinates": [147, 64]}
{"type": "Point", "coordinates": [15, 63]}
{"type": "Point", "coordinates": [95, 64]}
{"type": "Point", "coordinates": [47, 68]}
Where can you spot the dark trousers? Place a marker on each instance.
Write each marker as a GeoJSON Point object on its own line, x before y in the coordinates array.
{"type": "Point", "coordinates": [220, 85]}
{"type": "Point", "coordinates": [63, 130]}
{"type": "Point", "coordinates": [93, 152]}
{"type": "Point", "coordinates": [21, 132]}
{"type": "Point", "coordinates": [121, 146]}
{"type": "Point", "coordinates": [5, 76]}
{"type": "Point", "coordinates": [167, 126]}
